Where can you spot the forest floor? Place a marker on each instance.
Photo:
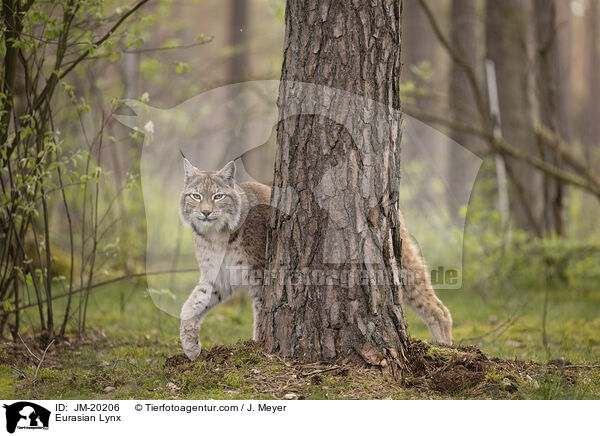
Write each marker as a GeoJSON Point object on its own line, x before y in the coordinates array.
{"type": "Point", "coordinates": [134, 353]}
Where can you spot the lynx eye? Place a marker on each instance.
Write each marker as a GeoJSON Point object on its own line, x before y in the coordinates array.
{"type": "Point", "coordinates": [218, 196]}
{"type": "Point", "coordinates": [196, 196]}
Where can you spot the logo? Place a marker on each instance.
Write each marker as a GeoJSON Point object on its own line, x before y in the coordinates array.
{"type": "Point", "coordinates": [241, 120]}
{"type": "Point", "coordinates": [26, 415]}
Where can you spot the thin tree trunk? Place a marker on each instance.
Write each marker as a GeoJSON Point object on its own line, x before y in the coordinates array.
{"type": "Point", "coordinates": [463, 34]}
{"type": "Point", "coordinates": [12, 21]}
{"type": "Point", "coordinates": [238, 20]}
{"type": "Point", "coordinates": [548, 80]}
{"type": "Point", "coordinates": [344, 171]}
{"type": "Point", "coordinates": [237, 71]}
{"type": "Point", "coordinates": [564, 29]}
{"type": "Point", "coordinates": [419, 50]}
{"type": "Point", "coordinates": [507, 42]}
{"type": "Point", "coordinates": [591, 113]}
{"type": "Point", "coordinates": [417, 47]}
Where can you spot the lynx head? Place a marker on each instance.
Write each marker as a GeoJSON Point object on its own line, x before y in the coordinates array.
{"type": "Point", "coordinates": [209, 201]}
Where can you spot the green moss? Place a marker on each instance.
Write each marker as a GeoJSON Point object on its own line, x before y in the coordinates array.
{"type": "Point", "coordinates": [233, 380]}
{"type": "Point", "coordinates": [129, 351]}
{"type": "Point", "coordinates": [443, 352]}
{"type": "Point", "coordinates": [6, 382]}
{"type": "Point", "coordinates": [494, 378]}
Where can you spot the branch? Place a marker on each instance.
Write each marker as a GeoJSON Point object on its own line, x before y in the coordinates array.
{"type": "Point", "coordinates": [104, 283]}
{"type": "Point", "coordinates": [155, 49]}
{"type": "Point", "coordinates": [460, 61]}
{"type": "Point", "coordinates": [28, 349]}
{"type": "Point", "coordinates": [39, 359]}
{"type": "Point", "coordinates": [589, 182]}
{"type": "Point", "coordinates": [501, 145]}
{"type": "Point", "coordinates": [37, 368]}
{"type": "Point", "coordinates": [107, 35]}
{"type": "Point", "coordinates": [455, 125]}
{"type": "Point", "coordinates": [552, 140]}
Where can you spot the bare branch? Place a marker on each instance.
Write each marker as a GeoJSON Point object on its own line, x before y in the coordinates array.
{"type": "Point", "coordinates": [42, 358]}
{"type": "Point", "coordinates": [501, 145]}
{"type": "Point", "coordinates": [552, 140]}
{"type": "Point", "coordinates": [460, 61]}
{"type": "Point", "coordinates": [107, 282]}
{"type": "Point", "coordinates": [30, 352]}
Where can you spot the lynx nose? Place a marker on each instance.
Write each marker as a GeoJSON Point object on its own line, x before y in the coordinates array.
{"type": "Point", "coordinates": [206, 213]}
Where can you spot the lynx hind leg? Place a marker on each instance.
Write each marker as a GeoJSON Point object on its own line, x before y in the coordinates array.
{"type": "Point", "coordinates": [432, 311]}
{"type": "Point", "coordinates": [420, 296]}
{"type": "Point", "coordinates": [257, 306]}
{"type": "Point", "coordinates": [199, 303]}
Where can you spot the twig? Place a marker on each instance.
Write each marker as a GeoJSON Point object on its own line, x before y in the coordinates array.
{"type": "Point", "coordinates": [30, 352]}
{"type": "Point", "coordinates": [42, 359]}
{"type": "Point", "coordinates": [71, 251]}
{"type": "Point", "coordinates": [108, 34]}
{"type": "Point", "coordinates": [460, 61]}
{"type": "Point", "coordinates": [500, 329]}
{"type": "Point", "coordinates": [582, 366]}
{"type": "Point", "coordinates": [321, 371]}
{"type": "Point", "coordinates": [275, 356]}
{"type": "Point", "coordinates": [545, 342]}
{"type": "Point", "coordinates": [155, 49]}
{"type": "Point", "coordinates": [26, 375]}
{"type": "Point", "coordinates": [107, 282]}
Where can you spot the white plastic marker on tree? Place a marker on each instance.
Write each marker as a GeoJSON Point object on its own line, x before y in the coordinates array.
{"type": "Point", "coordinates": [492, 85]}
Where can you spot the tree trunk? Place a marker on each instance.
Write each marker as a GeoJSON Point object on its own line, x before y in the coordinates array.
{"type": "Point", "coordinates": [564, 30]}
{"type": "Point", "coordinates": [238, 61]}
{"type": "Point", "coordinates": [341, 162]}
{"type": "Point", "coordinates": [419, 51]}
{"type": "Point", "coordinates": [418, 46]}
{"type": "Point", "coordinates": [463, 34]}
{"type": "Point", "coordinates": [237, 69]}
{"type": "Point", "coordinates": [548, 81]}
{"type": "Point", "coordinates": [507, 42]}
{"type": "Point", "coordinates": [591, 114]}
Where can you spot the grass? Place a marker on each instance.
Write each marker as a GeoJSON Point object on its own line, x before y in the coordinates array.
{"type": "Point", "coordinates": [136, 354]}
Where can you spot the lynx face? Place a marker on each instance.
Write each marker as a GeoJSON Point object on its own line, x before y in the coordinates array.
{"type": "Point", "coordinates": [209, 202]}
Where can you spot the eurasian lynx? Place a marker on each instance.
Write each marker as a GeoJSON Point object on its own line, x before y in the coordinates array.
{"type": "Point", "coordinates": [229, 222]}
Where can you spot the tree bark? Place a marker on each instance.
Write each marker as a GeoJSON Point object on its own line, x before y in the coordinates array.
{"type": "Point", "coordinates": [342, 162]}
{"type": "Point", "coordinates": [507, 42]}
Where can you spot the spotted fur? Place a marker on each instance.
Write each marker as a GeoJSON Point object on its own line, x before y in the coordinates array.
{"type": "Point", "coordinates": [229, 225]}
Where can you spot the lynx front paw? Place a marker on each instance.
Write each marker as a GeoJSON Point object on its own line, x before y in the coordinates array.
{"type": "Point", "coordinates": [195, 308]}
{"type": "Point", "coordinates": [189, 341]}
{"type": "Point", "coordinates": [188, 332]}
{"type": "Point", "coordinates": [193, 351]}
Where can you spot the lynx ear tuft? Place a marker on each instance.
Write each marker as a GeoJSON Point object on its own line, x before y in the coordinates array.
{"type": "Point", "coordinates": [227, 173]}
{"type": "Point", "coordinates": [188, 169]}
